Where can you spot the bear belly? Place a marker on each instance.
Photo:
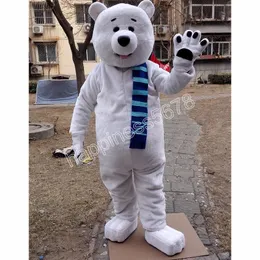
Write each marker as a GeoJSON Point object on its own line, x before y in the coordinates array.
{"type": "Point", "coordinates": [113, 140]}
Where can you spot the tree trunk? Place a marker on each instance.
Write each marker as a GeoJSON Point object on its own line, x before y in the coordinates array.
{"type": "Point", "coordinates": [80, 73]}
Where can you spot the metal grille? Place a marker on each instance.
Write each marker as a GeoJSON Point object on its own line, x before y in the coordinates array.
{"type": "Point", "coordinates": [82, 15]}
{"type": "Point", "coordinates": [42, 13]}
{"type": "Point", "coordinates": [161, 50]}
{"type": "Point", "coordinates": [115, 2]}
{"type": "Point", "coordinates": [90, 52]}
{"type": "Point", "coordinates": [210, 9]}
{"type": "Point", "coordinates": [46, 52]}
{"type": "Point", "coordinates": [220, 45]}
{"type": "Point", "coordinates": [161, 16]}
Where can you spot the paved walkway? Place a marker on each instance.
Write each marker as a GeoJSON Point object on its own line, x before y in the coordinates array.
{"type": "Point", "coordinates": [183, 184]}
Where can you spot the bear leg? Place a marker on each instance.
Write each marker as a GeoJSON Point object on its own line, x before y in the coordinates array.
{"type": "Point", "coordinates": [151, 200]}
{"type": "Point", "coordinates": [121, 188]}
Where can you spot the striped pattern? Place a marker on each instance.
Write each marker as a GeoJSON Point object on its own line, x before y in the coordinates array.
{"type": "Point", "coordinates": [139, 107]}
{"type": "Point", "coordinates": [141, 80]}
{"type": "Point", "coordinates": [140, 92]}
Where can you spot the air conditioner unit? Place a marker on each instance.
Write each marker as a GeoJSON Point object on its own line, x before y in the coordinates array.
{"type": "Point", "coordinates": [38, 29]}
{"type": "Point", "coordinates": [162, 29]}
{"type": "Point", "coordinates": [36, 70]}
{"type": "Point", "coordinates": [87, 27]}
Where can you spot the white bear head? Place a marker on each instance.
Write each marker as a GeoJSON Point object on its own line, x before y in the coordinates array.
{"type": "Point", "coordinates": [123, 34]}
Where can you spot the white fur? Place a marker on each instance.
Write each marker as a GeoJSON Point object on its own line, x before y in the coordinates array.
{"type": "Point", "coordinates": [142, 36]}
{"type": "Point", "coordinates": [117, 48]}
{"type": "Point", "coordinates": [133, 177]}
{"type": "Point", "coordinates": [188, 43]}
{"type": "Point", "coordinates": [118, 230]}
{"type": "Point", "coordinates": [148, 7]}
{"type": "Point", "coordinates": [95, 9]}
{"type": "Point", "coordinates": [167, 240]}
{"type": "Point", "coordinates": [108, 92]}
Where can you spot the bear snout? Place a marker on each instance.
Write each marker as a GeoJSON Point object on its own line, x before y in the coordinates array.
{"type": "Point", "coordinates": [123, 40]}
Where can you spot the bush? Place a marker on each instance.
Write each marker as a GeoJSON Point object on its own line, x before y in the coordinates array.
{"type": "Point", "coordinates": [32, 86]}
{"type": "Point", "coordinates": [220, 78]}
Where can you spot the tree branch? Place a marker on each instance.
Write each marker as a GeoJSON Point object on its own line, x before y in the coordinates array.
{"type": "Point", "coordinates": [90, 33]}
{"type": "Point", "coordinates": [68, 29]}
{"type": "Point", "coordinates": [88, 37]}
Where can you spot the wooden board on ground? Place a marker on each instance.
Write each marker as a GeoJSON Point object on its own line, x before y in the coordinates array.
{"type": "Point", "coordinates": [135, 247]}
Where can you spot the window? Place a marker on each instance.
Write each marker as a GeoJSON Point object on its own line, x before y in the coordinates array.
{"type": "Point", "coordinates": [82, 15]}
{"type": "Point", "coordinates": [42, 13]}
{"type": "Point", "coordinates": [219, 45]}
{"type": "Point", "coordinates": [46, 52]}
{"type": "Point", "coordinates": [115, 2]}
{"type": "Point", "coordinates": [161, 16]}
{"type": "Point", "coordinates": [30, 51]}
{"type": "Point", "coordinates": [161, 50]}
{"type": "Point", "coordinates": [210, 9]}
{"type": "Point", "coordinates": [90, 52]}
{"type": "Point", "coordinates": [112, 2]}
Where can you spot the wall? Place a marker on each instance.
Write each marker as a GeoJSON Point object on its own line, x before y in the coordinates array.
{"type": "Point", "coordinates": [64, 64]}
{"type": "Point", "coordinates": [205, 67]}
{"type": "Point", "coordinates": [209, 28]}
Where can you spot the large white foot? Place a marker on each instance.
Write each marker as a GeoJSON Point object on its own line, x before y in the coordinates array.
{"type": "Point", "coordinates": [118, 230]}
{"type": "Point", "coordinates": [167, 240]}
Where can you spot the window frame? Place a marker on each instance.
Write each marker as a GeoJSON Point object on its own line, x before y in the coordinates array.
{"type": "Point", "coordinates": [85, 19]}
{"type": "Point", "coordinates": [160, 44]}
{"type": "Point", "coordinates": [112, 3]}
{"type": "Point", "coordinates": [211, 42]}
{"type": "Point", "coordinates": [87, 53]}
{"type": "Point", "coordinates": [45, 17]}
{"type": "Point", "coordinates": [46, 52]}
{"type": "Point", "coordinates": [213, 5]}
{"type": "Point", "coordinates": [161, 16]}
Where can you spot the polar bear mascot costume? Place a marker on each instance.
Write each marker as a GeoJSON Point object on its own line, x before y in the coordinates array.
{"type": "Point", "coordinates": [123, 91]}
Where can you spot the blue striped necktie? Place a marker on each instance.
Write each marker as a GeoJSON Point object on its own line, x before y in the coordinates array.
{"type": "Point", "coordinates": [139, 107]}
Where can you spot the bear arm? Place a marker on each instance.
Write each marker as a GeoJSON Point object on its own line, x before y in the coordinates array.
{"type": "Point", "coordinates": [173, 82]}
{"type": "Point", "coordinates": [84, 106]}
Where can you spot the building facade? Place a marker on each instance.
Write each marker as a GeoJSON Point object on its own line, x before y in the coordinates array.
{"type": "Point", "coordinates": [50, 55]}
{"type": "Point", "coordinates": [213, 19]}
{"type": "Point", "coordinates": [49, 51]}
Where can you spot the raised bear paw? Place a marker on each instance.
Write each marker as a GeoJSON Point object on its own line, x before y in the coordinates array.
{"type": "Point", "coordinates": [187, 48]}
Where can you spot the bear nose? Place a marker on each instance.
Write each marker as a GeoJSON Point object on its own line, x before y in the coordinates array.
{"type": "Point", "coordinates": [123, 40]}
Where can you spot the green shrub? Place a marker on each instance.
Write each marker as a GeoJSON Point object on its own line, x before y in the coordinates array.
{"type": "Point", "coordinates": [220, 78]}
{"type": "Point", "coordinates": [32, 86]}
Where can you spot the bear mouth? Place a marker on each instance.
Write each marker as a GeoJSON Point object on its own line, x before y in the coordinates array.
{"type": "Point", "coordinates": [123, 56]}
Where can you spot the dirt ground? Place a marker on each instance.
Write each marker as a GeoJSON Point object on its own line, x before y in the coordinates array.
{"type": "Point", "coordinates": [64, 202]}
{"type": "Point", "coordinates": [214, 146]}
{"type": "Point", "coordinates": [196, 90]}
{"type": "Point", "coordinates": [201, 90]}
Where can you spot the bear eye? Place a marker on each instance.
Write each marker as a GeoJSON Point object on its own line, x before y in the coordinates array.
{"type": "Point", "coordinates": [130, 28]}
{"type": "Point", "coordinates": [116, 29]}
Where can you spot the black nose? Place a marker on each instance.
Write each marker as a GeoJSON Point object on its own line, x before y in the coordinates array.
{"type": "Point", "coordinates": [123, 40]}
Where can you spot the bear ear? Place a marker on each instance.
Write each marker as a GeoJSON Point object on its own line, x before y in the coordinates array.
{"type": "Point", "coordinates": [148, 7]}
{"type": "Point", "coordinates": [95, 9]}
